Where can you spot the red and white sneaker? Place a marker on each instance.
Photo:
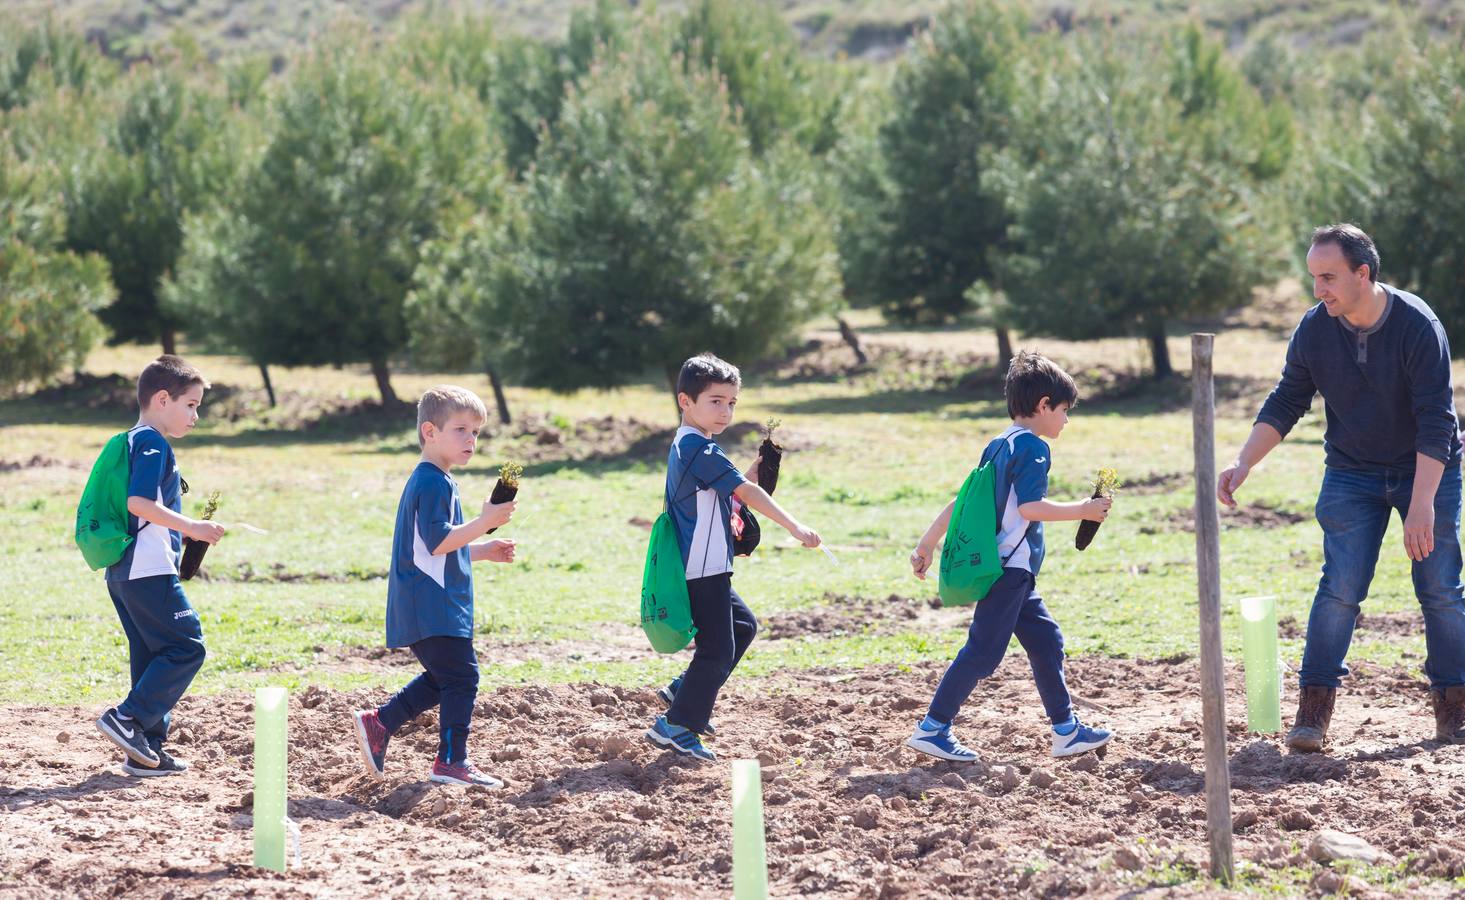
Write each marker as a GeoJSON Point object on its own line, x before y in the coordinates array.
{"type": "Point", "coordinates": [463, 773]}
{"type": "Point", "coordinates": [372, 737]}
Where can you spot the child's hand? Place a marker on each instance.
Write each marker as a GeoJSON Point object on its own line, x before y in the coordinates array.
{"type": "Point", "coordinates": [496, 515]}
{"type": "Point", "coordinates": [921, 560]}
{"type": "Point", "coordinates": [499, 550]}
{"type": "Point", "coordinates": [1097, 508]}
{"type": "Point", "coordinates": [208, 532]}
{"type": "Point", "coordinates": [806, 536]}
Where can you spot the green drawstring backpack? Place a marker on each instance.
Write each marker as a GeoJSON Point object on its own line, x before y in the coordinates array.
{"type": "Point", "coordinates": [666, 609]}
{"type": "Point", "coordinates": [101, 516]}
{"type": "Point", "coordinates": [970, 563]}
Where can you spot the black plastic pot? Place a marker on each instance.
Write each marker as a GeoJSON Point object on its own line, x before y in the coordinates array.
{"type": "Point", "coordinates": [502, 493]}
{"type": "Point", "coordinates": [770, 457]}
{"type": "Point", "coordinates": [1087, 529]}
{"type": "Point", "coordinates": [193, 552]}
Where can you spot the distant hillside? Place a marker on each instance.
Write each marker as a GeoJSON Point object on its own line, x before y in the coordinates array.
{"type": "Point", "coordinates": [863, 29]}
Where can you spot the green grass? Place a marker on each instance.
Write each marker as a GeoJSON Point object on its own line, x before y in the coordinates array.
{"type": "Point", "coordinates": [879, 464]}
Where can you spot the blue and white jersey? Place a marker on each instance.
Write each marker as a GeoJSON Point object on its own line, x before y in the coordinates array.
{"type": "Point", "coordinates": [700, 481]}
{"type": "Point", "coordinates": [1020, 464]}
{"type": "Point", "coordinates": [152, 473]}
{"type": "Point", "coordinates": [427, 595]}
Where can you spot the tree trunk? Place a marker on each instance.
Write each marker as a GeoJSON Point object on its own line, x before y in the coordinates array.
{"type": "Point", "coordinates": [848, 333]}
{"type": "Point", "coordinates": [1159, 350]}
{"type": "Point", "coordinates": [672, 372]}
{"type": "Point", "coordinates": [384, 382]}
{"type": "Point", "coordinates": [170, 341]}
{"type": "Point", "coordinates": [1004, 349]}
{"type": "Point", "coordinates": [498, 394]}
{"type": "Point", "coordinates": [264, 372]}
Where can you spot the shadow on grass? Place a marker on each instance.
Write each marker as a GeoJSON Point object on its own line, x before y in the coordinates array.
{"type": "Point", "coordinates": [111, 400]}
{"type": "Point", "coordinates": [1126, 394]}
{"type": "Point", "coordinates": [897, 402]}
{"type": "Point", "coordinates": [366, 419]}
{"type": "Point", "coordinates": [1103, 391]}
{"type": "Point", "coordinates": [35, 412]}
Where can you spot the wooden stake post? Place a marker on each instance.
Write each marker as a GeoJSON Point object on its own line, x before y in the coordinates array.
{"type": "Point", "coordinates": [1208, 577]}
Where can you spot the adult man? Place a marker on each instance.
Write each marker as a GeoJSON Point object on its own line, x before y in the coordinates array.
{"type": "Point", "coordinates": [1381, 361]}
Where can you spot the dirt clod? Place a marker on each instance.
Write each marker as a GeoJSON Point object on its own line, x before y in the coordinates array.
{"type": "Point", "coordinates": [1296, 820]}
{"type": "Point", "coordinates": [1131, 859]}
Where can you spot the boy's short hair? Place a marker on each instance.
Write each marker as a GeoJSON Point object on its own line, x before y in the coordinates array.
{"type": "Point", "coordinates": [438, 404]}
{"type": "Point", "coordinates": [167, 373]}
{"type": "Point", "coordinates": [1030, 378]}
{"type": "Point", "coordinates": [1358, 248]}
{"type": "Point", "coordinates": [703, 370]}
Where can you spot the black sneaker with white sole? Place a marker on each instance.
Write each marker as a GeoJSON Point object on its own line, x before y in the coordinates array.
{"type": "Point", "coordinates": [127, 734]}
{"type": "Point", "coordinates": [167, 765]}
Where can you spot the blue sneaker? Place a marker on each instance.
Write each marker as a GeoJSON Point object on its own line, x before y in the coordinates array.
{"type": "Point", "coordinates": [668, 696]}
{"type": "Point", "coordinates": [1081, 739]}
{"type": "Point", "coordinates": [674, 737]}
{"type": "Point", "coordinates": [940, 744]}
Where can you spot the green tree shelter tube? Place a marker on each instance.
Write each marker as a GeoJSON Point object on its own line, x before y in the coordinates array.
{"type": "Point", "coordinates": [1259, 648]}
{"type": "Point", "coordinates": [270, 732]}
{"type": "Point", "coordinates": [750, 861]}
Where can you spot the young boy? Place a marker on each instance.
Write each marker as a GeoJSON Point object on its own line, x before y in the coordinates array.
{"type": "Point", "coordinates": [700, 484]}
{"type": "Point", "coordinates": [164, 638]}
{"type": "Point", "coordinates": [1039, 395]}
{"type": "Point", "coordinates": [430, 590]}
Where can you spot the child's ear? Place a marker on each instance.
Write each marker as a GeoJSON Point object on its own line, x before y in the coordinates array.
{"type": "Point", "coordinates": [685, 401]}
{"type": "Point", "coordinates": [1046, 404]}
{"type": "Point", "coordinates": [427, 432]}
{"type": "Point", "coordinates": [159, 398]}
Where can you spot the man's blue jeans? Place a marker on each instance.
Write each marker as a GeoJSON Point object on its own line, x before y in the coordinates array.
{"type": "Point", "coordinates": [1353, 509]}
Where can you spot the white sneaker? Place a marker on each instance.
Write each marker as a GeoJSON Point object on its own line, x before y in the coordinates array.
{"type": "Point", "coordinates": [1081, 739]}
{"type": "Point", "coordinates": [940, 744]}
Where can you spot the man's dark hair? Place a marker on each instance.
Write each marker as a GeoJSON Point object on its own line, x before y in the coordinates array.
{"type": "Point", "coordinates": [705, 369]}
{"type": "Point", "coordinates": [167, 373]}
{"type": "Point", "coordinates": [1030, 378]}
{"type": "Point", "coordinates": [1357, 246]}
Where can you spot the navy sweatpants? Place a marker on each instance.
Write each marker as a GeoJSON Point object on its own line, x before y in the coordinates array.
{"type": "Point", "coordinates": [725, 628]}
{"type": "Point", "coordinates": [164, 647]}
{"type": "Point", "coordinates": [1012, 607]}
{"type": "Point", "coordinates": [449, 681]}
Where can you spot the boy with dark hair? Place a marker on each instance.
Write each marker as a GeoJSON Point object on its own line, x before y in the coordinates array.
{"type": "Point", "coordinates": [164, 638]}
{"type": "Point", "coordinates": [700, 484]}
{"type": "Point", "coordinates": [430, 591]}
{"type": "Point", "coordinates": [1039, 395]}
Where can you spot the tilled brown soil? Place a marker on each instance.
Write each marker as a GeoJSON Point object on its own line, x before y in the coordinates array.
{"type": "Point", "coordinates": [1259, 514]}
{"type": "Point", "coordinates": [839, 614]}
{"type": "Point", "coordinates": [590, 808]}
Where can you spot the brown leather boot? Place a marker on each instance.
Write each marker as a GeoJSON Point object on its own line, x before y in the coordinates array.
{"type": "Point", "coordinates": [1314, 712]}
{"type": "Point", "coordinates": [1449, 715]}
